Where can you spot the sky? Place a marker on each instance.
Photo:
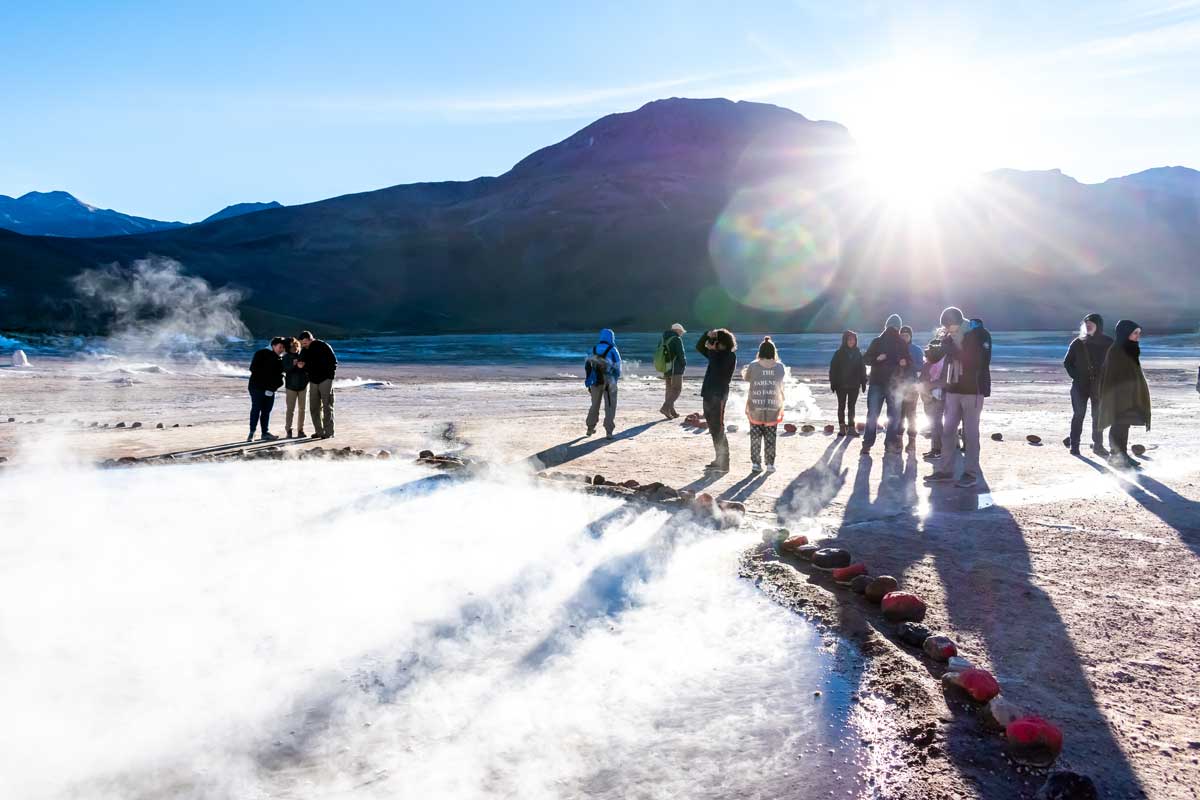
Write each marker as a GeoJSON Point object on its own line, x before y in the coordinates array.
{"type": "Point", "coordinates": [175, 110]}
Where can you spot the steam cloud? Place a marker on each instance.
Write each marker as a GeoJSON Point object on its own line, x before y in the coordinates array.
{"type": "Point", "coordinates": [154, 307]}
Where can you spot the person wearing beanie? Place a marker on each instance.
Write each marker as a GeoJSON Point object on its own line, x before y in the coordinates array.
{"type": "Point", "coordinates": [1083, 361]}
{"type": "Point", "coordinates": [719, 348]}
{"type": "Point", "coordinates": [887, 356]}
{"type": "Point", "coordinates": [847, 377]}
{"type": "Point", "coordinates": [910, 388]}
{"type": "Point", "coordinates": [1124, 393]}
{"type": "Point", "coordinates": [676, 363]}
{"type": "Point", "coordinates": [764, 403]}
{"type": "Point", "coordinates": [966, 352]}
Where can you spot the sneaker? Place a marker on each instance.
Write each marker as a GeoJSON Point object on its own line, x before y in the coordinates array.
{"type": "Point", "coordinates": [932, 455]}
{"type": "Point", "coordinates": [755, 467]}
{"type": "Point", "coordinates": [268, 437]}
{"type": "Point", "coordinates": [1101, 450]}
{"type": "Point", "coordinates": [770, 467]}
{"type": "Point", "coordinates": [966, 481]}
{"type": "Point", "coordinates": [939, 477]}
{"type": "Point", "coordinates": [301, 434]}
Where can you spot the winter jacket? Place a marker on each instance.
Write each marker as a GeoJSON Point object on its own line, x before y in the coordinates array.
{"type": "Point", "coordinates": [718, 375]}
{"type": "Point", "coordinates": [893, 348]}
{"type": "Point", "coordinates": [266, 370]}
{"type": "Point", "coordinates": [967, 367]}
{"type": "Point", "coordinates": [1085, 357]}
{"type": "Point", "coordinates": [1124, 394]}
{"type": "Point", "coordinates": [675, 352]}
{"type": "Point", "coordinates": [295, 378]}
{"type": "Point", "coordinates": [319, 361]}
{"type": "Point", "coordinates": [916, 360]}
{"type": "Point", "coordinates": [604, 350]}
{"type": "Point", "coordinates": [847, 370]}
{"type": "Point", "coordinates": [764, 402]}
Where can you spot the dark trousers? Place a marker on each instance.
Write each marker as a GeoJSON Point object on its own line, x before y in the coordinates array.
{"type": "Point", "coordinates": [877, 398]}
{"type": "Point", "coordinates": [261, 404]}
{"type": "Point", "coordinates": [714, 414]}
{"type": "Point", "coordinates": [1118, 439]}
{"type": "Point", "coordinates": [908, 413]}
{"type": "Point", "coordinates": [847, 401]}
{"type": "Point", "coordinates": [762, 437]}
{"type": "Point", "coordinates": [935, 410]}
{"type": "Point", "coordinates": [1081, 395]}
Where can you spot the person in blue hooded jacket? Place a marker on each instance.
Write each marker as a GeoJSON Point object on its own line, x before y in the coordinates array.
{"type": "Point", "coordinates": [602, 371]}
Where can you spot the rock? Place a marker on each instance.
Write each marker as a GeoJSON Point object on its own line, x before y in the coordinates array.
{"type": "Point", "coordinates": [597, 480]}
{"type": "Point", "coordinates": [1065, 785]}
{"type": "Point", "coordinates": [176, 425]}
{"type": "Point", "coordinates": [807, 428]}
{"type": "Point", "coordinates": [849, 573]}
{"type": "Point", "coordinates": [830, 558]}
{"type": "Point", "coordinates": [778, 537]}
{"type": "Point", "coordinates": [422, 454]}
{"type": "Point", "coordinates": [704, 500]}
{"type": "Point", "coordinates": [792, 544]}
{"type": "Point", "coordinates": [902, 607]}
{"type": "Point", "coordinates": [126, 460]}
{"type": "Point", "coordinates": [1033, 741]}
{"type": "Point", "coordinates": [41, 420]}
{"type": "Point", "coordinates": [702, 425]}
{"type": "Point", "coordinates": [978, 683]}
{"type": "Point", "coordinates": [631, 484]}
{"type": "Point", "coordinates": [120, 425]}
{"type": "Point", "coordinates": [828, 429]}
{"type": "Point", "coordinates": [860, 427]}
{"type": "Point", "coordinates": [1000, 711]}
{"type": "Point", "coordinates": [687, 495]}
{"type": "Point", "coordinates": [732, 506]}
{"type": "Point", "coordinates": [159, 426]}
{"type": "Point", "coordinates": [912, 633]}
{"type": "Point", "coordinates": [1033, 439]}
{"type": "Point", "coordinates": [12, 419]}
{"type": "Point", "coordinates": [1139, 449]}
{"type": "Point", "coordinates": [860, 583]}
{"type": "Point", "coordinates": [881, 586]}
{"type": "Point", "coordinates": [997, 437]}
{"type": "Point", "coordinates": [136, 425]}
{"type": "Point", "coordinates": [939, 648]}
{"type": "Point", "coordinates": [806, 552]}
{"type": "Point", "coordinates": [1066, 441]}
{"type": "Point", "coordinates": [731, 428]}
{"type": "Point", "coordinates": [383, 455]}
{"type": "Point", "coordinates": [789, 428]}
{"type": "Point", "coordinates": [958, 664]}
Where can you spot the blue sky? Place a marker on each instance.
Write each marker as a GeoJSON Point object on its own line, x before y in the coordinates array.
{"type": "Point", "coordinates": [174, 110]}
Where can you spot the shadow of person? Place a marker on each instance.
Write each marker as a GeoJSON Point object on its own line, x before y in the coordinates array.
{"type": "Point", "coordinates": [745, 487]}
{"type": "Point", "coordinates": [1176, 511]}
{"type": "Point", "coordinates": [580, 446]}
{"type": "Point", "coordinates": [814, 488]}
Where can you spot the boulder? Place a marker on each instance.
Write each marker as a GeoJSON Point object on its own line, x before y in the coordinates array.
{"type": "Point", "coordinates": [176, 425]}
{"type": "Point", "coordinates": [383, 455]}
{"type": "Point", "coordinates": [1033, 741]}
{"type": "Point", "coordinates": [880, 586]}
{"type": "Point", "coordinates": [902, 607]}
{"type": "Point", "coordinates": [860, 583]}
{"type": "Point", "coordinates": [978, 683]}
{"type": "Point", "coordinates": [731, 428]}
{"type": "Point", "coordinates": [422, 454]}
{"type": "Point", "coordinates": [1139, 449]}
{"type": "Point", "coordinates": [793, 543]}
{"type": "Point", "coordinates": [1000, 711]}
{"type": "Point", "coordinates": [939, 648]}
{"type": "Point", "coordinates": [1065, 785]}
{"type": "Point", "coordinates": [120, 425]}
{"type": "Point", "coordinates": [1033, 439]}
{"type": "Point", "coordinates": [136, 425]}
{"type": "Point", "coordinates": [704, 500]}
{"type": "Point", "coordinates": [597, 480]}
{"type": "Point", "coordinates": [806, 551]}
{"type": "Point", "coordinates": [912, 633]}
{"type": "Point", "coordinates": [159, 426]}
{"type": "Point", "coordinates": [807, 428]}
{"type": "Point", "coordinates": [830, 558]}
{"type": "Point", "coordinates": [958, 664]}
{"type": "Point", "coordinates": [849, 573]}
{"type": "Point", "coordinates": [828, 429]}
{"type": "Point", "coordinates": [997, 437]}
{"type": "Point", "coordinates": [860, 427]}
{"type": "Point", "coordinates": [789, 428]}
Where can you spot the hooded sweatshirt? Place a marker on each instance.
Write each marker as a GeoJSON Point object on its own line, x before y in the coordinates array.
{"type": "Point", "coordinates": [1085, 356]}
{"type": "Point", "coordinates": [604, 350]}
{"type": "Point", "coordinates": [1124, 394]}
{"type": "Point", "coordinates": [891, 345]}
{"type": "Point", "coordinates": [764, 403]}
{"type": "Point", "coordinates": [675, 352]}
{"type": "Point", "coordinates": [847, 370]}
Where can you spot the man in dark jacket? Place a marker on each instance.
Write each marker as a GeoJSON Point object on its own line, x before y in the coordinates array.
{"type": "Point", "coordinates": [966, 350]}
{"type": "Point", "coordinates": [1083, 361]}
{"type": "Point", "coordinates": [318, 360]}
{"type": "Point", "coordinates": [847, 377]}
{"type": "Point", "coordinates": [266, 376]}
{"type": "Point", "coordinates": [720, 348]}
{"type": "Point", "coordinates": [673, 341]}
{"type": "Point", "coordinates": [887, 356]}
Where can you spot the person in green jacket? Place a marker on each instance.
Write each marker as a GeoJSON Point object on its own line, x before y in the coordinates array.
{"type": "Point", "coordinates": [672, 339]}
{"type": "Point", "coordinates": [1124, 394]}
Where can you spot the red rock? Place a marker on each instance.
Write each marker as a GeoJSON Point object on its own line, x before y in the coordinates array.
{"type": "Point", "coordinates": [793, 544]}
{"type": "Point", "coordinates": [789, 428]}
{"type": "Point", "coordinates": [1033, 439]}
{"type": "Point", "coordinates": [846, 574]}
{"type": "Point", "coordinates": [903, 607]}
{"type": "Point", "coordinates": [829, 429]}
{"type": "Point", "coordinates": [704, 500]}
{"type": "Point", "coordinates": [978, 683]}
{"type": "Point", "coordinates": [732, 505]}
{"type": "Point", "coordinates": [939, 648]}
{"type": "Point", "coordinates": [860, 427]}
{"type": "Point", "coordinates": [702, 425]}
{"type": "Point", "coordinates": [1033, 740]}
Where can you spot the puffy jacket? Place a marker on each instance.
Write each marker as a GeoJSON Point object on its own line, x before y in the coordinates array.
{"type": "Point", "coordinates": [605, 348]}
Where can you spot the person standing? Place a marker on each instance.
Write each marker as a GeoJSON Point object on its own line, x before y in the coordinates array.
{"type": "Point", "coordinates": [295, 384]}
{"type": "Point", "coordinates": [887, 356]}
{"type": "Point", "coordinates": [910, 386]}
{"type": "Point", "coordinates": [319, 361]}
{"type": "Point", "coordinates": [266, 376]}
{"type": "Point", "coordinates": [602, 371]}
{"type": "Point", "coordinates": [966, 351]}
{"type": "Point", "coordinates": [764, 403]}
{"type": "Point", "coordinates": [1124, 394]}
{"type": "Point", "coordinates": [847, 377]}
{"type": "Point", "coordinates": [719, 347]}
{"type": "Point", "coordinates": [1083, 361]}
{"type": "Point", "coordinates": [676, 363]}
{"type": "Point", "coordinates": [933, 393]}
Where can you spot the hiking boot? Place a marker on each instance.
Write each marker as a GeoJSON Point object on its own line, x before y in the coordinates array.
{"type": "Point", "coordinates": [967, 481]}
{"type": "Point", "coordinates": [852, 431]}
{"type": "Point", "coordinates": [301, 434]}
{"type": "Point", "coordinates": [755, 467]}
{"type": "Point", "coordinates": [1075, 450]}
{"type": "Point", "coordinates": [1101, 450]}
{"type": "Point", "coordinates": [940, 477]}
{"type": "Point", "coordinates": [268, 437]}
{"type": "Point", "coordinates": [608, 435]}
{"type": "Point", "coordinates": [288, 434]}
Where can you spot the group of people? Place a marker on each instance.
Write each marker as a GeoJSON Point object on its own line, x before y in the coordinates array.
{"type": "Point", "coordinates": [950, 377]}
{"type": "Point", "coordinates": [301, 365]}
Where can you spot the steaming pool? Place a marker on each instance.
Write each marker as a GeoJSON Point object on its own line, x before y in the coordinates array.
{"type": "Point", "coordinates": [361, 630]}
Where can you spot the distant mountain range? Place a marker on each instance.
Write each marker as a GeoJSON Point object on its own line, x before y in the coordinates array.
{"type": "Point", "coordinates": [62, 214]}
{"type": "Point", "coordinates": [708, 212]}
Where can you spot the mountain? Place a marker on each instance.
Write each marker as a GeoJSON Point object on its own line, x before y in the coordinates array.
{"type": "Point", "coordinates": [61, 214]}
{"type": "Point", "coordinates": [237, 209]}
{"type": "Point", "coordinates": [706, 211]}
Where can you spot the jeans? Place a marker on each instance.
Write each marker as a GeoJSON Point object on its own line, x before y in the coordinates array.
{"type": "Point", "coordinates": [673, 390]}
{"type": "Point", "coordinates": [1081, 395]}
{"type": "Point", "coordinates": [295, 402]}
{"type": "Point", "coordinates": [608, 393]}
{"type": "Point", "coordinates": [320, 398]}
{"type": "Point", "coordinates": [762, 437]}
{"type": "Point", "coordinates": [847, 402]}
{"type": "Point", "coordinates": [714, 414]}
{"type": "Point", "coordinates": [877, 397]}
{"type": "Point", "coordinates": [261, 403]}
{"type": "Point", "coordinates": [967, 409]}
{"type": "Point", "coordinates": [934, 411]}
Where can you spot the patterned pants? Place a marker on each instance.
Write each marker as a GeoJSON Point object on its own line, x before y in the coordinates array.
{"type": "Point", "coordinates": [760, 436]}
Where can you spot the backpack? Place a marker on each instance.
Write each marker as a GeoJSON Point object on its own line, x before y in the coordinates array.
{"type": "Point", "coordinates": [596, 366]}
{"type": "Point", "coordinates": [662, 357]}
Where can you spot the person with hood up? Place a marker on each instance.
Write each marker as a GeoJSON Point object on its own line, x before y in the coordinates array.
{"type": "Point", "coordinates": [602, 371]}
{"type": "Point", "coordinates": [847, 377]}
{"type": "Point", "coordinates": [764, 403]}
{"type": "Point", "coordinates": [910, 385]}
{"type": "Point", "coordinates": [672, 343]}
{"type": "Point", "coordinates": [719, 347]}
{"type": "Point", "coordinates": [1124, 394]}
{"type": "Point", "coordinates": [1083, 361]}
{"type": "Point", "coordinates": [887, 356]}
{"type": "Point", "coordinates": [966, 350]}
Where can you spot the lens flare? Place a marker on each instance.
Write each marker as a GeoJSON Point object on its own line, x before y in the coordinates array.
{"type": "Point", "coordinates": [775, 247]}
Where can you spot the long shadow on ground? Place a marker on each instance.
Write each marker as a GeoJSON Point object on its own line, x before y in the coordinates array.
{"type": "Point", "coordinates": [580, 446]}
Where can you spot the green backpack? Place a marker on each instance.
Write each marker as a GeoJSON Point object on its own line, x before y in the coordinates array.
{"type": "Point", "coordinates": [662, 357]}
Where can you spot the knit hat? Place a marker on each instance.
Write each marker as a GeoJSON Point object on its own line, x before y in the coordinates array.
{"type": "Point", "coordinates": [893, 321]}
{"type": "Point", "coordinates": [952, 316]}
